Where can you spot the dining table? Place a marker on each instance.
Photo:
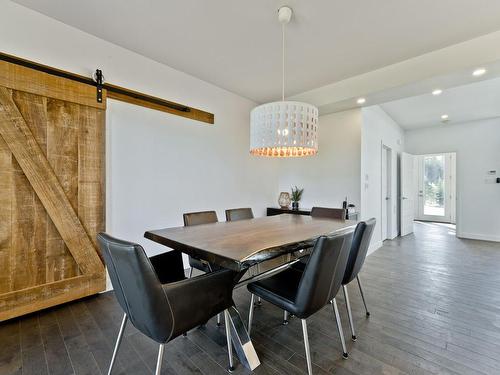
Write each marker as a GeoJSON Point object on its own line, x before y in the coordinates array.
{"type": "Point", "coordinates": [239, 245]}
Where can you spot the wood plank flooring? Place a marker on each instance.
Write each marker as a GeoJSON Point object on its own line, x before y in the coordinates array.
{"type": "Point", "coordinates": [434, 302]}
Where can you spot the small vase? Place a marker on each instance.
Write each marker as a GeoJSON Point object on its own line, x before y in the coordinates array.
{"type": "Point", "coordinates": [284, 199]}
{"type": "Point", "coordinates": [295, 205]}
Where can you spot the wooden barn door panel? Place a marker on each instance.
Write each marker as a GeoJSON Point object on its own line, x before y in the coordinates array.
{"type": "Point", "coordinates": [6, 186]}
{"type": "Point", "coordinates": [62, 155]}
{"type": "Point", "coordinates": [51, 195]}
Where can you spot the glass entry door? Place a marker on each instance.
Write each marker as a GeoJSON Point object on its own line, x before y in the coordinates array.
{"type": "Point", "coordinates": [436, 192]}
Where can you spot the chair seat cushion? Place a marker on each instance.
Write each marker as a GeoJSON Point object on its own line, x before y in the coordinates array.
{"type": "Point", "coordinates": [168, 266]}
{"type": "Point", "coordinates": [280, 289]}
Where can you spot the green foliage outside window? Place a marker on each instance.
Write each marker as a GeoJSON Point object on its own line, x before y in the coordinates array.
{"type": "Point", "coordinates": [434, 181]}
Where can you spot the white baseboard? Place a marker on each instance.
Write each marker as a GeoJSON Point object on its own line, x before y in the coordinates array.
{"type": "Point", "coordinates": [478, 236]}
{"type": "Point", "coordinates": [374, 247]}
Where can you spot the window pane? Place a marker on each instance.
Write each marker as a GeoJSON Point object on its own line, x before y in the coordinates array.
{"type": "Point", "coordinates": [434, 185]}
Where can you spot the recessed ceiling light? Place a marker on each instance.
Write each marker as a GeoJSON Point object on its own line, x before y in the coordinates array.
{"type": "Point", "coordinates": [361, 101]}
{"type": "Point", "coordinates": [444, 117]}
{"type": "Point", "coordinates": [437, 92]}
{"type": "Point", "coordinates": [478, 72]}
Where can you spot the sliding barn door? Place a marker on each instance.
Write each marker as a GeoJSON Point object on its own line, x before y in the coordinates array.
{"type": "Point", "coordinates": [51, 190]}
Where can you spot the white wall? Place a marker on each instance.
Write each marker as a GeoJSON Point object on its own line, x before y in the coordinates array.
{"type": "Point", "coordinates": [158, 165]}
{"type": "Point", "coordinates": [378, 128]}
{"type": "Point", "coordinates": [477, 145]}
{"type": "Point", "coordinates": [334, 173]}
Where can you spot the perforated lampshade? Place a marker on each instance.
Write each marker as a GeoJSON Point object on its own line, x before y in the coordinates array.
{"type": "Point", "coordinates": [284, 129]}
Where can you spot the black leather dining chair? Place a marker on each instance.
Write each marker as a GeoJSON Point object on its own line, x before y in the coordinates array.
{"type": "Point", "coordinates": [329, 213]}
{"type": "Point", "coordinates": [305, 293]}
{"type": "Point", "coordinates": [235, 214]}
{"type": "Point", "coordinates": [162, 311]}
{"type": "Point", "coordinates": [318, 212]}
{"type": "Point", "coordinates": [198, 218]}
{"type": "Point", "coordinates": [357, 255]}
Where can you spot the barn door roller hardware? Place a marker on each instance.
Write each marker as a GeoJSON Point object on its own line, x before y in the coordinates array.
{"type": "Point", "coordinates": [99, 80]}
{"type": "Point", "coordinates": [117, 92]}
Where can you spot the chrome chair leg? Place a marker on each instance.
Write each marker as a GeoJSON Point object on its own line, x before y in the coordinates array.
{"type": "Point", "coordinates": [285, 317]}
{"type": "Point", "coordinates": [362, 296]}
{"type": "Point", "coordinates": [160, 359]}
{"type": "Point", "coordinates": [229, 343]}
{"type": "Point", "coordinates": [306, 344]}
{"type": "Point", "coordinates": [339, 327]}
{"type": "Point", "coordinates": [118, 342]}
{"type": "Point", "coordinates": [349, 312]}
{"type": "Point", "coordinates": [250, 315]}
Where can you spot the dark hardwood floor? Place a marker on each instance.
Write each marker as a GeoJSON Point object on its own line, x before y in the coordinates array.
{"type": "Point", "coordinates": [434, 302]}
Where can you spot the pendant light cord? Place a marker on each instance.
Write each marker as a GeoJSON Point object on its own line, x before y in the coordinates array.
{"type": "Point", "coordinates": [283, 62]}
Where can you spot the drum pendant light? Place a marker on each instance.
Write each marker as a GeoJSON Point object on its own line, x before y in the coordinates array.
{"type": "Point", "coordinates": [284, 128]}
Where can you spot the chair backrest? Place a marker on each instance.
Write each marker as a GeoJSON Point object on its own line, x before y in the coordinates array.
{"type": "Point", "coordinates": [137, 288]}
{"type": "Point", "coordinates": [322, 276]}
{"type": "Point", "coordinates": [197, 218]}
{"type": "Point", "coordinates": [235, 214]}
{"type": "Point", "coordinates": [328, 213]}
{"type": "Point", "coordinates": [359, 249]}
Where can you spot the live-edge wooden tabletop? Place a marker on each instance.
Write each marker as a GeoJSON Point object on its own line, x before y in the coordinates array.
{"type": "Point", "coordinates": [239, 244]}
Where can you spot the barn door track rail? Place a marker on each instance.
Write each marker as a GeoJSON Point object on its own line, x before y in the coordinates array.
{"type": "Point", "coordinates": [108, 90]}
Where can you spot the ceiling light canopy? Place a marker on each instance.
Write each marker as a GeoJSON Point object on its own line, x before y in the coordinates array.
{"type": "Point", "coordinates": [361, 101]}
{"type": "Point", "coordinates": [478, 72]}
{"type": "Point", "coordinates": [284, 128]}
{"type": "Point", "coordinates": [444, 117]}
{"type": "Point", "coordinates": [437, 92]}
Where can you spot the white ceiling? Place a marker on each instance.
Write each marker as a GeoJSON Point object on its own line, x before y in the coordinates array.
{"type": "Point", "coordinates": [465, 103]}
{"type": "Point", "coordinates": [238, 48]}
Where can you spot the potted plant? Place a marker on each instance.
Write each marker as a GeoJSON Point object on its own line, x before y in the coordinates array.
{"type": "Point", "coordinates": [296, 196]}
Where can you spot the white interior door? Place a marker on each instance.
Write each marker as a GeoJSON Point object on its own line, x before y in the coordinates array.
{"type": "Point", "coordinates": [383, 221]}
{"type": "Point", "coordinates": [436, 187]}
{"type": "Point", "coordinates": [386, 214]}
{"type": "Point", "coordinates": [407, 193]}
